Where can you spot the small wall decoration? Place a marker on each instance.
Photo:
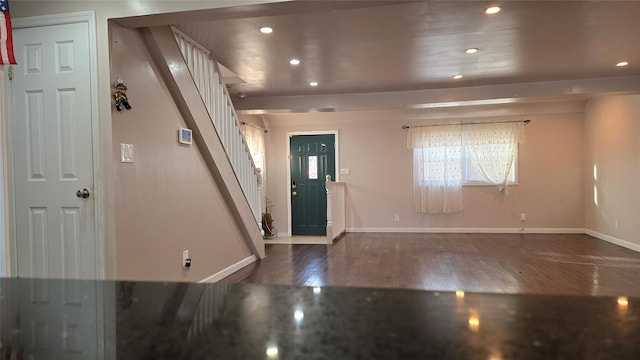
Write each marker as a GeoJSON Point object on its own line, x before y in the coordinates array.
{"type": "Point", "coordinates": [185, 136]}
{"type": "Point", "coordinates": [120, 95]}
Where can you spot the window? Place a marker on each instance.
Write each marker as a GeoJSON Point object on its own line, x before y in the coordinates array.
{"type": "Point", "coordinates": [445, 157]}
{"type": "Point", "coordinates": [471, 175]}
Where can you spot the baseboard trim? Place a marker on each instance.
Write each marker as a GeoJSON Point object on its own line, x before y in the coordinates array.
{"type": "Point", "coordinates": [472, 230]}
{"type": "Point", "coordinates": [608, 238]}
{"type": "Point", "coordinates": [229, 270]}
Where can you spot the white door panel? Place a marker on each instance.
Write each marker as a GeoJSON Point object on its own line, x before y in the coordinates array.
{"type": "Point", "coordinates": [58, 319]}
{"type": "Point", "coordinates": [52, 152]}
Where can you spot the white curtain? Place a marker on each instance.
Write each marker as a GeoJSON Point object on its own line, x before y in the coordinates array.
{"type": "Point", "coordinates": [437, 168]}
{"type": "Point", "coordinates": [255, 140]}
{"type": "Point", "coordinates": [492, 149]}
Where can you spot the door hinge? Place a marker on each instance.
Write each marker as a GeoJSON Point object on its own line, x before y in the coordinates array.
{"type": "Point", "coordinates": [10, 72]}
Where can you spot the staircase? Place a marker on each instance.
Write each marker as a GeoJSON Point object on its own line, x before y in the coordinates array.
{"type": "Point", "coordinates": [195, 83]}
{"type": "Point", "coordinates": [213, 91]}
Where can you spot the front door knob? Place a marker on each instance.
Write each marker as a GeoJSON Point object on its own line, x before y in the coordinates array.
{"type": "Point", "coordinates": [84, 193]}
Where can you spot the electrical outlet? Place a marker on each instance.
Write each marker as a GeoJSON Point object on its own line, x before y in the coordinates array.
{"type": "Point", "coordinates": [396, 217]}
{"type": "Point", "coordinates": [523, 217]}
{"type": "Point", "coordinates": [186, 260]}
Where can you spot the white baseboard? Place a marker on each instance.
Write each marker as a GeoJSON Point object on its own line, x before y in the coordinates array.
{"type": "Point", "coordinates": [229, 270]}
{"type": "Point", "coordinates": [472, 230]}
{"type": "Point", "coordinates": [624, 243]}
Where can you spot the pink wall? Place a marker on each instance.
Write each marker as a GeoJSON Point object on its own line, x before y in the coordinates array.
{"type": "Point", "coordinates": [613, 148]}
{"type": "Point", "coordinates": [372, 146]}
{"type": "Point", "coordinates": [166, 201]}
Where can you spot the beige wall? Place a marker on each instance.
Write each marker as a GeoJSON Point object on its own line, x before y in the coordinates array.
{"type": "Point", "coordinates": [166, 201]}
{"type": "Point", "coordinates": [613, 148]}
{"type": "Point", "coordinates": [372, 146]}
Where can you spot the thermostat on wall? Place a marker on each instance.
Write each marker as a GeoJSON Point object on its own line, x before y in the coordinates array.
{"type": "Point", "coordinates": [185, 136]}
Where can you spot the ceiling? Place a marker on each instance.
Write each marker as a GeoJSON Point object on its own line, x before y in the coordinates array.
{"type": "Point", "coordinates": [404, 53]}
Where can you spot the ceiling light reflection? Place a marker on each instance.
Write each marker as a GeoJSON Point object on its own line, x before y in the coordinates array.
{"type": "Point", "coordinates": [294, 62]}
{"type": "Point", "coordinates": [457, 76]}
{"type": "Point", "coordinates": [623, 301]}
{"type": "Point", "coordinates": [298, 315]}
{"type": "Point", "coordinates": [317, 290]}
{"type": "Point", "coordinates": [474, 323]}
{"type": "Point", "coordinates": [471, 50]}
{"type": "Point", "coordinates": [313, 83]}
{"type": "Point", "coordinates": [266, 30]}
{"type": "Point", "coordinates": [459, 294]}
{"type": "Point", "coordinates": [272, 352]}
{"type": "Point", "coordinates": [622, 63]}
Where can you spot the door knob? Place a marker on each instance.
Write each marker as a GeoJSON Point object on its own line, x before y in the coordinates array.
{"type": "Point", "coordinates": [294, 193]}
{"type": "Point", "coordinates": [84, 193]}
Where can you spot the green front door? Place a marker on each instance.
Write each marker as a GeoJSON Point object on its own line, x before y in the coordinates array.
{"type": "Point", "coordinates": [312, 158]}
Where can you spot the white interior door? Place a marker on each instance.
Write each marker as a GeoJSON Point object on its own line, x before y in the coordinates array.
{"type": "Point", "coordinates": [52, 153]}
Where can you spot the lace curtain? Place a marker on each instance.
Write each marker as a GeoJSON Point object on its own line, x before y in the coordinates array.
{"type": "Point", "coordinates": [437, 168]}
{"type": "Point", "coordinates": [492, 149]}
{"type": "Point", "coordinates": [438, 154]}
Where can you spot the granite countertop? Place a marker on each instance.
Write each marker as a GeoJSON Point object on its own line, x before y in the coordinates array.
{"type": "Point", "coordinates": [67, 319]}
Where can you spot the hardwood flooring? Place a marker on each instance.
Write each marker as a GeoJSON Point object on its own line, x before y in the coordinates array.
{"type": "Point", "coordinates": [496, 263]}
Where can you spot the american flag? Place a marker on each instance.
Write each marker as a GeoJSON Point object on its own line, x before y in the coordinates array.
{"type": "Point", "coordinates": [6, 39]}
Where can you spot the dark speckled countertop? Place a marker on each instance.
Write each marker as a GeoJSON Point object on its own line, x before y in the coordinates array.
{"type": "Point", "coordinates": [56, 319]}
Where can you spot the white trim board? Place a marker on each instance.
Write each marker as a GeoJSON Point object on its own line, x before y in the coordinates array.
{"type": "Point", "coordinates": [610, 239]}
{"type": "Point", "coordinates": [471, 230]}
{"type": "Point", "coordinates": [229, 270]}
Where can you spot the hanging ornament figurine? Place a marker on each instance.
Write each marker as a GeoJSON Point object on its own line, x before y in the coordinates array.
{"type": "Point", "coordinates": [120, 95]}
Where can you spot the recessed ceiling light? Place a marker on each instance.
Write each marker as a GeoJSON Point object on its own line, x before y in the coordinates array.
{"type": "Point", "coordinates": [457, 76]}
{"type": "Point", "coordinates": [294, 62]}
{"type": "Point", "coordinates": [492, 10]}
{"type": "Point", "coordinates": [266, 30]}
{"type": "Point", "coordinates": [471, 50]}
{"type": "Point", "coordinates": [313, 83]}
{"type": "Point", "coordinates": [622, 63]}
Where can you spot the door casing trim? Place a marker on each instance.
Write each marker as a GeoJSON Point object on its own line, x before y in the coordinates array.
{"type": "Point", "coordinates": [288, 152]}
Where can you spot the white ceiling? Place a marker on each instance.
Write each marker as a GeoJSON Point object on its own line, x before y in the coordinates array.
{"type": "Point", "coordinates": [404, 53]}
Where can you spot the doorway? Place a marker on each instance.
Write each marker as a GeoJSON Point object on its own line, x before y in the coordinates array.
{"type": "Point", "coordinates": [51, 150]}
{"type": "Point", "coordinates": [312, 156]}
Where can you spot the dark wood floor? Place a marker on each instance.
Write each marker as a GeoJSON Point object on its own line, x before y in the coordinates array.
{"type": "Point", "coordinates": [496, 263]}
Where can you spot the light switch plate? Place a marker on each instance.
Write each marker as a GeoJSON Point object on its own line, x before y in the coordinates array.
{"type": "Point", "coordinates": [126, 153]}
{"type": "Point", "coordinates": [345, 171]}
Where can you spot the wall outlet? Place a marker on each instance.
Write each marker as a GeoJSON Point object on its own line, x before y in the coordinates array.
{"type": "Point", "coordinates": [617, 224]}
{"type": "Point", "coordinates": [186, 260]}
{"type": "Point", "coordinates": [523, 217]}
{"type": "Point", "coordinates": [396, 217]}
